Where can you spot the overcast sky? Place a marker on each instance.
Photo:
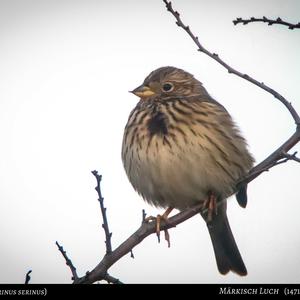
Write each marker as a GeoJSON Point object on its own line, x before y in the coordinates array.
{"type": "Point", "coordinates": [65, 71]}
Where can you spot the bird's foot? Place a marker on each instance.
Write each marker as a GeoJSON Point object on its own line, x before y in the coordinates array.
{"type": "Point", "coordinates": [210, 204]}
{"type": "Point", "coordinates": [158, 219]}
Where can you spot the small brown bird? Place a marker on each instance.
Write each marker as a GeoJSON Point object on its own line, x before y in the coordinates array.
{"type": "Point", "coordinates": [181, 147]}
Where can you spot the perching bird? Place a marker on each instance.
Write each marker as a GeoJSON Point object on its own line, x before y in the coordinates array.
{"type": "Point", "coordinates": [181, 147]}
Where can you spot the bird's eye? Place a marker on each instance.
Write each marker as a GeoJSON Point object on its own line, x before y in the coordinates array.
{"type": "Point", "coordinates": [167, 87]}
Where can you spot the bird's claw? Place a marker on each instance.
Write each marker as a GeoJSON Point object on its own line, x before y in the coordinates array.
{"type": "Point", "coordinates": [158, 219]}
{"type": "Point", "coordinates": [211, 205]}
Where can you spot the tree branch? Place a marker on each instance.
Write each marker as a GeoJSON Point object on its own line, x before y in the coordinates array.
{"type": "Point", "coordinates": [100, 271]}
{"type": "Point", "coordinates": [111, 279]}
{"type": "Point", "coordinates": [103, 212]}
{"type": "Point", "coordinates": [27, 279]}
{"type": "Point", "coordinates": [266, 20]}
{"type": "Point", "coordinates": [272, 159]}
{"type": "Point", "coordinates": [68, 261]}
{"type": "Point", "coordinates": [291, 157]}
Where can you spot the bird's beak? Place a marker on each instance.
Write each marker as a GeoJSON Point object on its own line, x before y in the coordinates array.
{"type": "Point", "coordinates": [143, 91]}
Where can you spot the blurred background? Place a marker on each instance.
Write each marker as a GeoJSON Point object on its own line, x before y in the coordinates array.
{"type": "Point", "coordinates": [66, 69]}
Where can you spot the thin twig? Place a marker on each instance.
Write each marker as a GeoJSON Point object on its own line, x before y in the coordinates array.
{"type": "Point", "coordinates": [111, 279]}
{"type": "Point", "coordinates": [68, 261]}
{"type": "Point", "coordinates": [103, 212]}
{"type": "Point", "coordinates": [143, 215]}
{"type": "Point", "coordinates": [27, 279]}
{"type": "Point", "coordinates": [272, 159]}
{"type": "Point", "coordinates": [286, 158]}
{"type": "Point", "coordinates": [266, 20]}
{"type": "Point", "coordinates": [291, 157]}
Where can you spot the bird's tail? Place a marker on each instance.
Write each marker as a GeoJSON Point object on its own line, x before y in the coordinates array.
{"type": "Point", "coordinates": [226, 251]}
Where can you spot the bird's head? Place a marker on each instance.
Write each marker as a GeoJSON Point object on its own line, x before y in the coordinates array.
{"type": "Point", "coordinates": [169, 82]}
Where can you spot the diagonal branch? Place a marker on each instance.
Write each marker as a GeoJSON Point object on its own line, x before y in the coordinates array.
{"type": "Point", "coordinates": [103, 212]}
{"type": "Point", "coordinates": [266, 20]}
{"type": "Point", "coordinates": [68, 261]}
{"type": "Point", "coordinates": [272, 159]}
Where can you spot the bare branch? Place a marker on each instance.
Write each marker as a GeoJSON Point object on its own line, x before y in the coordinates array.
{"type": "Point", "coordinates": [286, 157]}
{"type": "Point", "coordinates": [27, 279]}
{"type": "Point", "coordinates": [272, 159]}
{"type": "Point", "coordinates": [100, 271]}
{"type": "Point", "coordinates": [143, 215]}
{"type": "Point", "coordinates": [103, 212]}
{"type": "Point", "coordinates": [291, 157]}
{"type": "Point", "coordinates": [111, 279]}
{"type": "Point", "coordinates": [266, 20]}
{"type": "Point", "coordinates": [68, 261]}
{"type": "Point", "coordinates": [216, 57]}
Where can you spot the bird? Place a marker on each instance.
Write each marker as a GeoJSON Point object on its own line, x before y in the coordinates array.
{"type": "Point", "coordinates": [180, 148]}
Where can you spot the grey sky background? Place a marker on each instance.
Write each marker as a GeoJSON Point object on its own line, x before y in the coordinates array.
{"type": "Point", "coordinates": [65, 71]}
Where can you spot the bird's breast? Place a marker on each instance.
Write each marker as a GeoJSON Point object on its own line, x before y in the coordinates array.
{"type": "Point", "coordinates": [173, 157]}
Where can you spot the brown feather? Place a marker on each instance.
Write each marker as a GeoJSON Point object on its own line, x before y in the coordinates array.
{"type": "Point", "coordinates": [190, 147]}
